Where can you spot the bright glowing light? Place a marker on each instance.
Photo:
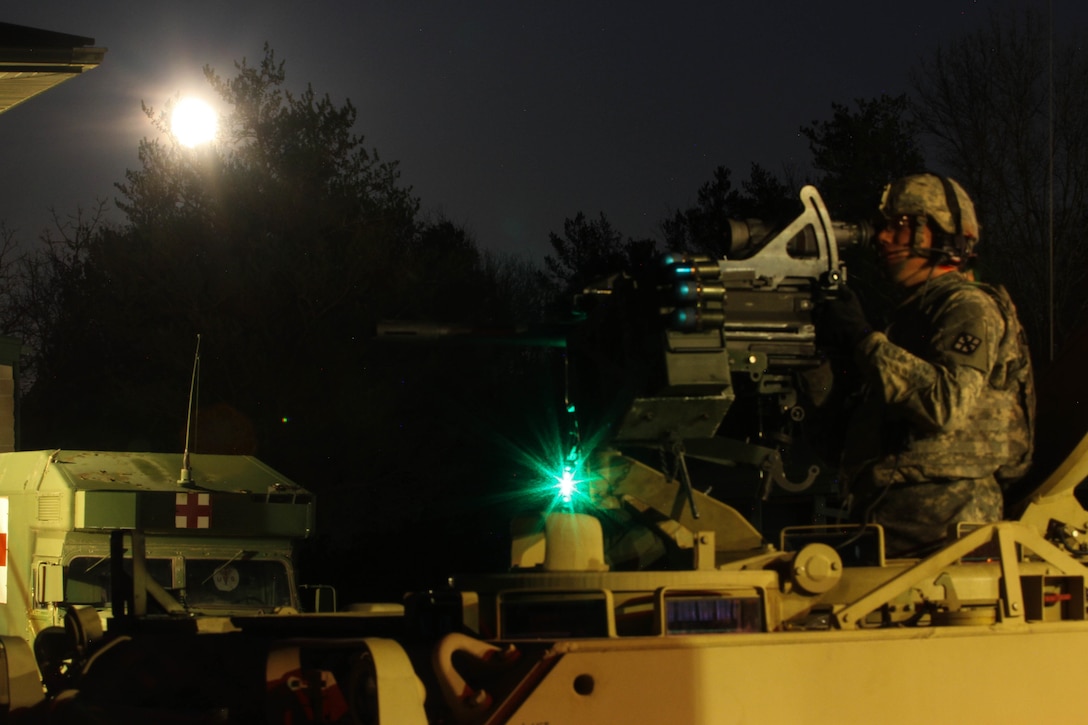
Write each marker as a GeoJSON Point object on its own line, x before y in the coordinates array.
{"type": "Point", "coordinates": [566, 485]}
{"type": "Point", "coordinates": [561, 482]}
{"type": "Point", "coordinates": [557, 474]}
{"type": "Point", "coordinates": [193, 122]}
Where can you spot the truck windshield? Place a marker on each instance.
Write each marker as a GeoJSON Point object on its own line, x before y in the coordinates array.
{"type": "Point", "coordinates": [87, 580]}
{"type": "Point", "coordinates": [222, 583]}
{"type": "Point", "coordinates": [236, 583]}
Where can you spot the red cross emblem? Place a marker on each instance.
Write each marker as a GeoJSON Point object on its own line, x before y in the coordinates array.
{"type": "Point", "coordinates": [193, 511]}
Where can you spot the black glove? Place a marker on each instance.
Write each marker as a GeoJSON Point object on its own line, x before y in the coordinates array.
{"type": "Point", "coordinates": [841, 321]}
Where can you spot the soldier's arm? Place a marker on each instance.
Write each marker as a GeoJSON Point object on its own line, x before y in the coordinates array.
{"type": "Point", "coordinates": [938, 391]}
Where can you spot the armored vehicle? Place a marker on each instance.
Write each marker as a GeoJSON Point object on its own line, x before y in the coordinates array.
{"type": "Point", "coordinates": [638, 593]}
{"type": "Point", "coordinates": [635, 593]}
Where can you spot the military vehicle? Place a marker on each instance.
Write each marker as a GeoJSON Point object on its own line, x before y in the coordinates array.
{"type": "Point", "coordinates": [223, 542]}
{"type": "Point", "coordinates": [634, 594]}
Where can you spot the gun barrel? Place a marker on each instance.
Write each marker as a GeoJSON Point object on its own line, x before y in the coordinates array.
{"type": "Point", "coordinates": [415, 330]}
{"type": "Point", "coordinates": [418, 331]}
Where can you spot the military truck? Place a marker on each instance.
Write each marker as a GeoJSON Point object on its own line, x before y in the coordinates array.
{"type": "Point", "coordinates": [222, 542]}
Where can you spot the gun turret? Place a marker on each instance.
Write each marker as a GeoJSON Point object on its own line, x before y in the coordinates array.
{"type": "Point", "coordinates": [736, 331]}
{"type": "Point", "coordinates": [662, 360]}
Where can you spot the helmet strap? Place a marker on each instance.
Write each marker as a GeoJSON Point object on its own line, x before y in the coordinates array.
{"type": "Point", "coordinates": [955, 246]}
{"type": "Point", "coordinates": [941, 252]}
{"type": "Point", "coordinates": [917, 243]}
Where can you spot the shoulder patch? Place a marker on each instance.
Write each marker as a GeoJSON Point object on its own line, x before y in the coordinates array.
{"type": "Point", "coordinates": [966, 343]}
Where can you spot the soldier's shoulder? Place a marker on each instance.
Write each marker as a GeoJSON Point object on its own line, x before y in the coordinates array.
{"type": "Point", "coordinates": [963, 297]}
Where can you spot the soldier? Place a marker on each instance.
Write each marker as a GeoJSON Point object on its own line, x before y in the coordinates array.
{"type": "Point", "coordinates": [945, 418]}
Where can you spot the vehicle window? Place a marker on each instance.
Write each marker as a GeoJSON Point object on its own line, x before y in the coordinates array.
{"type": "Point", "coordinates": [87, 578]}
{"type": "Point", "coordinates": [236, 583]}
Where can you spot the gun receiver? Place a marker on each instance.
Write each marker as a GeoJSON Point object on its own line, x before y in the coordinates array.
{"type": "Point", "coordinates": [748, 315]}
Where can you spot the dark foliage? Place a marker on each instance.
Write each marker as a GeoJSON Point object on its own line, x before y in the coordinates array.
{"type": "Point", "coordinates": [704, 227]}
{"type": "Point", "coordinates": [858, 152]}
{"type": "Point", "coordinates": [282, 245]}
{"type": "Point", "coordinates": [1009, 117]}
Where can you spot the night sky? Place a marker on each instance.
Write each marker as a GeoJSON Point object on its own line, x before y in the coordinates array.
{"type": "Point", "coordinates": [506, 117]}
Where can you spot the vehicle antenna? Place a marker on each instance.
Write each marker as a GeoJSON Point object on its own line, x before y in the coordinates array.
{"type": "Point", "coordinates": [186, 477]}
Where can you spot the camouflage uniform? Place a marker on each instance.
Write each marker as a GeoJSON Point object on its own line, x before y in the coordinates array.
{"type": "Point", "coordinates": [946, 417]}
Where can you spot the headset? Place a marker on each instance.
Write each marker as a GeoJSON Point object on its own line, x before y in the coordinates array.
{"type": "Point", "coordinates": [956, 247]}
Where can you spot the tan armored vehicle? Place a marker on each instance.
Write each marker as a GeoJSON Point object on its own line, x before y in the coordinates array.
{"type": "Point", "coordinates": [634, 596]}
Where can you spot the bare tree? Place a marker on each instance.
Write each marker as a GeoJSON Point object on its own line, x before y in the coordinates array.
{"type": "Point", "coordinates": [38, 282]}
{"type": "Point", "coordinates": [1006, 109]}
{"type": "Point", "coordinates": [10, 256]}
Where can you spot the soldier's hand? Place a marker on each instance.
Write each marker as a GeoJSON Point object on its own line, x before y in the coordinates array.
{"type": "Point", "coordinates": [841, 321]}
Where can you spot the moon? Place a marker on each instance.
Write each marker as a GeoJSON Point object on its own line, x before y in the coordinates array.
{"type": "Point", "coordinates": [193, 122]}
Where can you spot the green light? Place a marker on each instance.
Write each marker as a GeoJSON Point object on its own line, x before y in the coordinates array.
{"type": "Point", "coordinates": [562, 483]}
{"type": "Point", "coordinates": [557, 476]}
{"type": "Point", "coordinates": [566, 484]}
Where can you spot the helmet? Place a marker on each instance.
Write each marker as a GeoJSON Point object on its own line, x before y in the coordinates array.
{"type": "Point", "coordinates": [942, 203]}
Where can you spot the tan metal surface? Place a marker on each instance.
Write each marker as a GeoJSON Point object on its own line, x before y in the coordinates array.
{"type": "Point", "coordinates": [926, 675]}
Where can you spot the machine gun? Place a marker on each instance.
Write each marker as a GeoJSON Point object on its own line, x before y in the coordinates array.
{"type": "Point", "coordinates": [661, 359]}
{"type": "Point", "coordinates": [708, 358]}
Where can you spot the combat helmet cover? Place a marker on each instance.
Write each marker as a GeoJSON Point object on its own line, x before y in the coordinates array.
{"type": "Point", "coordinates": [926, 195]}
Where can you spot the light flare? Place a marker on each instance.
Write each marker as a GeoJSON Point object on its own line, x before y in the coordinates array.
{"type": "Point", "coordinates": [566, 484]}
{"type": "Point", "coordinates": [193, 122]}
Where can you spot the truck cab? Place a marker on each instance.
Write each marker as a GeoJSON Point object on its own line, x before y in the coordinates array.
{"type": "Point", "coordinates": [220, 543]}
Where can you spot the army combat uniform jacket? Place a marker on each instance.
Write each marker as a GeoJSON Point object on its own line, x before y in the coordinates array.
{"type": "Point", "coordinates": [947, 416]}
